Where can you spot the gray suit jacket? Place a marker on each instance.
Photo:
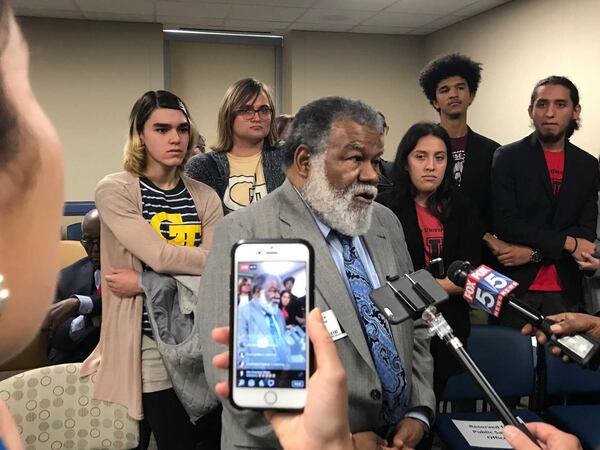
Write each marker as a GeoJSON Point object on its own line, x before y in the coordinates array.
{"type": "Point", "coordinates": [283, 214]}
{"type": "Point", "coordinates": [252, 325]}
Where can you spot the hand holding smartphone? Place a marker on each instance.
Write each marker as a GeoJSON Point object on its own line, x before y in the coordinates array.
{"type": "Point", "coordinates": [271, 293]}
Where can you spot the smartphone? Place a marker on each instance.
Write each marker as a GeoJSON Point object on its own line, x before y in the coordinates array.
{"type": "Point", "coordinates": [271, 294]}
{"type": "Point", "coordinates": [398, 299]}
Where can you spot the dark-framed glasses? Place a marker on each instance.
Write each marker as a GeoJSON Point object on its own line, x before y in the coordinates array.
{"type": "Point", "coordinates": [247, 112]}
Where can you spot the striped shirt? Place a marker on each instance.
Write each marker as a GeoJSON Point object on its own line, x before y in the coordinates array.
{"type": "Point", "coordinates": [172, 213]}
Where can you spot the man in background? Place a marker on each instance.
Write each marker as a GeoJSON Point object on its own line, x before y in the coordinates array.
{"type": "Point", "coordinates": [74, 318]}
{"type": "Point", "coordinates": [544, 199]}
{"type": "Point", "coordinates": [450, 83]}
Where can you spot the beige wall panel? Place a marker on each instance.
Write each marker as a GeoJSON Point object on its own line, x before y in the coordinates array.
{"type": "Point", "coordinates": [520, 43]}
{"type": "Point", "coordinates": [381, 70]}
{"type": "Point", "coordinates": [87, 75]}
{"type": "Point", "coordinates": [202, 72]}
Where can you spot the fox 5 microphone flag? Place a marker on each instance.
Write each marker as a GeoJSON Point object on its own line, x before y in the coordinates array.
{"type": "Point", "coordinates": [486, 289]}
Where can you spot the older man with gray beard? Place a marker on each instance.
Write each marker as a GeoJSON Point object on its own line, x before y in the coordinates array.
{"type": "Point", "coordinates": [331, 159]}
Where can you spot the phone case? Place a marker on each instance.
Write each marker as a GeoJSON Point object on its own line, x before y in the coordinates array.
{"type": "Point", "coordinates": [397, 310]}
{"type": "Point", "coordinates": [233, 288]}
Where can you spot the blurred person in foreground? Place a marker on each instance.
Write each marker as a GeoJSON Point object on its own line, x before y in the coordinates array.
{"type": "Point", "coordinates": [31, 195]}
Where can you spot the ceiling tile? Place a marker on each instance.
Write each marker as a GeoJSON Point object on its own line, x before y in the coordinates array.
{"type": "Point", "coordinates": [275, 13]}
{"type": "Point", "coordinates": [192, 10]}
{"type": "Point", "coordinates": [188, 22]}
{"type": "Point", "coordinates": [388, 19]}
{"type": "Point", "coordinates": [381, 30]}
{"type": "Point", "coordinates": [62, 5]}
{"type": "Point", "coordinates": [55, 14]}
{"type": "Point", "coordinates": [326, 16]}
{"type": "Point", "coordinates": [429, 6]}
{"type": "Point", "coordinates": [356, 5]}
{"type": "Point", "coordinates": [117, 17]}
{"type": "Point", "coordinates": [479, 7]}
{"type": "Point", "coordinates": [292, 3]}
{"type": "Point", "coordinates": [423, 31]}
{"type": "Point", "coordinates": [335, 27]}
{"type": "Point", "coordinates": [255, 25]}
{"type": "Point", "coordinates": [444, 22]}
{"type": "Point", "coordinates": [142, 7]}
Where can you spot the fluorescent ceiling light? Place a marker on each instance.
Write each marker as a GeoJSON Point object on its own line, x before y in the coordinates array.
{"type": "Point", "coordinates": [223, 33]}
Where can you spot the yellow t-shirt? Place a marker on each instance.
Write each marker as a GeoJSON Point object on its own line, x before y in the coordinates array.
{"type": "Point", "coordinates": [246, 181]}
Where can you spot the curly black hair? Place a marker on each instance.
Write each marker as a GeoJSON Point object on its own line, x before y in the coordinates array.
{"type": "Point", "coordinates": [448, 66]}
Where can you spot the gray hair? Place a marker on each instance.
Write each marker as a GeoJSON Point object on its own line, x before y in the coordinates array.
{"type": "Point", "coordinates": [312, 124]}
{"type": "Point", "coordinates": [259, 281]}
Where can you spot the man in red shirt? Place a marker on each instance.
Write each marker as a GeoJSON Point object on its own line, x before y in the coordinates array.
{"type": "Point", "coordinates": [544, 203]}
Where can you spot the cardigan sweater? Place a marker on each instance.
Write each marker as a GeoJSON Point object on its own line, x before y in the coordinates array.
{"type": "Point", "coordinates": [127, 240]}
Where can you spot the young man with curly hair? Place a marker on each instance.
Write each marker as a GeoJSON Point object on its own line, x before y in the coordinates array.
{"type": "Point", "coordinates": [450, 83]}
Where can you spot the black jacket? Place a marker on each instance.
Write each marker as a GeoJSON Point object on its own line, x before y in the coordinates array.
{"type": "Point", "coordinates": [475, 182]}
{"type": "Point", "coordinates": [76, 279]}
{"type": "Point", "coordinates": [462, 241]}
{"type": "Point", "coordinates": [526, 212]}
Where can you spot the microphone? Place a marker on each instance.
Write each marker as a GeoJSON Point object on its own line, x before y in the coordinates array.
{"type": "Point", "coordinates": [489, 290]}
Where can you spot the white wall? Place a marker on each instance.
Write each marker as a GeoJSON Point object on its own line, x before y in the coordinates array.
{"type": "Point", "coordinates": [87, 75]}
{"type": "Point", "coordinates": [520, 43]}
{"type": "Point", "coordinates": [202, 72]}
{"type": "Point", "coordinates": [381, 70]}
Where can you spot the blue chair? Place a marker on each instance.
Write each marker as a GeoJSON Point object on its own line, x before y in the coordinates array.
{"type": "Point", "coordinates": [74, 232]}
{"type": "Point", "coordinates": [506, 358]}
{"type": "Point", "coordinates": [570, 382]}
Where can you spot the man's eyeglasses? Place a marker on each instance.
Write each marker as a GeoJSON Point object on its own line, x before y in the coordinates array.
{"type": "Point", "coordinates": [89, 243]}
{"type": "Point", "coordinates": [247, 112]}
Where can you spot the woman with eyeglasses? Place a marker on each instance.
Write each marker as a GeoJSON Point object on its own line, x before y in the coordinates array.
{"type": "Point", "coordinates": [245, 164]}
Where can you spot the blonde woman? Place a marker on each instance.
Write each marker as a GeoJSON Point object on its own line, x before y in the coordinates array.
{"type": "Point", "coordinates": [153, 218]}
{"type": "Point", "coordinates": [244, 165]}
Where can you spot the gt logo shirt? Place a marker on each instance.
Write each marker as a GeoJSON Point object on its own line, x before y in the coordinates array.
{"type": "Point", "coordinates": [172, 214]}
{"type": "Point", "coordinates": [246, 181]}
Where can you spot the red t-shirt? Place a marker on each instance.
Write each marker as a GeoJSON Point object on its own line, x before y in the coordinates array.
{"type": "Point", "coordinates": [432, 231]}
{"type": "Point", "coordinates": [547, 277]}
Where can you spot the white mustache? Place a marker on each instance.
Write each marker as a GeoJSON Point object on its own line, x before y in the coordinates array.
{"type": "Point", "coordinates": [362, 188]}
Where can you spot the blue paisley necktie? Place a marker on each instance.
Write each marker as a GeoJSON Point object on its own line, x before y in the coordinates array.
{"type": "Point", "coordinates": [379, 336]}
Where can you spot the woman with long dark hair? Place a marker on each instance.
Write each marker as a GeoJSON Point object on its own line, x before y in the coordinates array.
{"type": "Point", "coordinates": [438, 223]}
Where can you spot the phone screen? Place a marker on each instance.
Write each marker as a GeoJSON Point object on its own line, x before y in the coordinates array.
{"type": "Point", "coordinates": [270, 312]}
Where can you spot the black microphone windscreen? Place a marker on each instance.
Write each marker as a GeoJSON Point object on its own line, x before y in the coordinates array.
{"type": "Point", "coordinates": [458, 271]}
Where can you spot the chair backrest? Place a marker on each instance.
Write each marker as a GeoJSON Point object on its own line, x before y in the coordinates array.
{"type": "Point", "coordinates": [71, 251]}
{"type": "Point", "coordinates": [53, 408]}
{"type": "Point", "coordinates": [504, 356]}
{"type": "Point", "coordinates": [74, 232]}
{"type": "Point", "coordinates": [564, 379]}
